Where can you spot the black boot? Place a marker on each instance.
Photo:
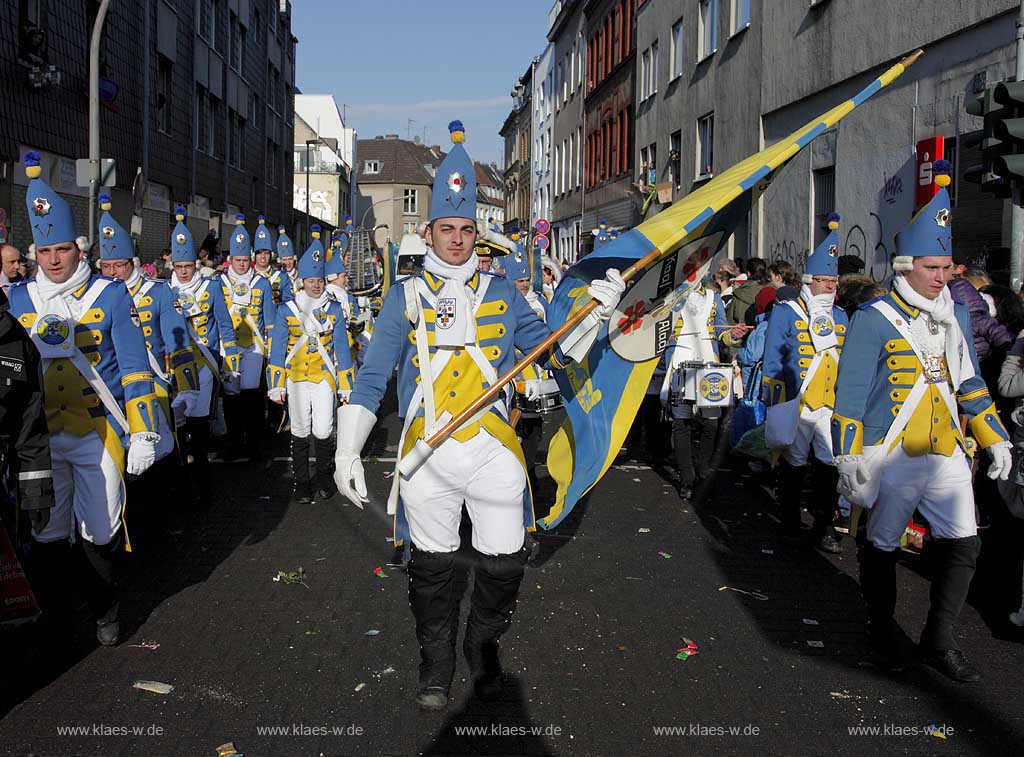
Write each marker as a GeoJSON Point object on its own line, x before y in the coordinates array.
{"type": "Point", "coordinates": [51, 572]}
{"type": "Point", "coordinates": [435, 607]}
{"type": "Point", "coordinates": [878, 585]}
{"type": "Point", "coordinates": [683, 442]}
{"type": "Point", "coordinates": [789, 494]}
{"type": "Point", "coordinates": [254, 419]}
{"type": "Point", "coordinates": [825, 502]}
{"type": "Point", "coordinates": [955, 561]}
{"type": "Point", "coordinates": [302, 490]}
{"type": "Point", "coordinates": [234, 419]}
{"type": "Point", "coordinates": [101, 586]}
{"type": "Point", "coordinates": [197, 431]}
{"type": "Point", "coordinates": [325, 488]}
{"type": "Point", "coordinates": [495, 589]}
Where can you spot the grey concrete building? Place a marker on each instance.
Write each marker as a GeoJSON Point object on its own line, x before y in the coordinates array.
{"type": "Point", "coordinates": [517, 131]}
{"type": "Point", "coordinates": [541, 127]}
{"type": "Point", "coordinates": [198, 93]}
{"type": "Point", "coordinates": [395, 183]}
{"type": "Point", "coordinates": [752, 71]}
{"type": "Point", "coordinates": [566, 35]}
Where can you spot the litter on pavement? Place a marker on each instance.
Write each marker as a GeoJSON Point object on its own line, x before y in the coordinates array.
{"type": "Point", "coordinates": [754, 594]}
{"type": "Point", "coordinates": [372, 632]}
{"type": "Point", "coordinates": [666, 555]}
{"type": "Point", "coordinates": [150, 645]}
{"type": "Point", "coordinates": [228, 750]}
{"type": "Point", "coordinates": [379, 572]}
{"type": "Point", "coordinates": [685, 653]}
{"type": "Point", "coordinates": [297, 576]}
{"type": "Point", "coordinates": [154, 686]}
{"type": "Point", "coordinates": [360, 687]}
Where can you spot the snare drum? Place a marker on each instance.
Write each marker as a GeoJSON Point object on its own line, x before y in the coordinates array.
{"type": "Point", "coordinates": [714, 385]}
{"type": "Point", "coordinates": [549, 401]}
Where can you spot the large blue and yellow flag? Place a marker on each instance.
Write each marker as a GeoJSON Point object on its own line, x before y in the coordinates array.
{"type": "Point", "coordinates": [679, 244]}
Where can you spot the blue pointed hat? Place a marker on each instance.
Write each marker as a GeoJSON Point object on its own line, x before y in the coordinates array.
{"type": "Point", "coordinates": [312, 263]}
{"type": "Point", "coordinates": [115, 242]}
{"type": "Point", "coordinates": [49, 214]}
{"type": "Point", "coordinates": [262, 241]}
{"type": "Point", "coordinates": [240, 247]}
{"type": "Point", "coordinates": [284, 244]}
{"type": "Point", "coordinates": [183, 247]}
{"type": "Point", "coordinates": [517, 266]}
{"type": "Point", "coordinates": [335, 265]}
{"type": "Point", "coordinates": [824, 261]}
{"type": "Point", "coordinates": [929, 231]}
{"type": "Point", "coordinates": [454, 194]}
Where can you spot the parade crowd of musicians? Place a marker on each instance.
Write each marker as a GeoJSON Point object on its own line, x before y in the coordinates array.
{"type": "Point", "coordinates": [871, 400]}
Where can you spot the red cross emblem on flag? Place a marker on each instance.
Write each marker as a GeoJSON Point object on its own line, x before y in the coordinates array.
{"type": "Point", "coordinates": [633, 317]}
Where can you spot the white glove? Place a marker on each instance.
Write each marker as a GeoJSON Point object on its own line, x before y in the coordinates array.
{"type": "Point", "coordinates": [344, 394]}
{"type": "Point", "coordinates": [1002, 461]}
{"type": "Point", "coordinates": [355, 423]}
{"type": "Point", "coordinates": [533, 389]}
{"type": "Point", "coordinates": [850, 476]}
{"type": "Point", "coordinates": [141, 452]}
{"type": "Point", "coordinates": [608, 291]}
{"type": "Point", "coordinates": [277, 394]}
{"type": "Point", "coordinates": [187, 401]}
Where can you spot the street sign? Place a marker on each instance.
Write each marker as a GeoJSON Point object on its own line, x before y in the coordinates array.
{"type": "Point", "coordinates": [542, 241]}
{"type": "Point", "coordinates": [83, 173]}
{"type": "Point", "coordinates": [543, 226]}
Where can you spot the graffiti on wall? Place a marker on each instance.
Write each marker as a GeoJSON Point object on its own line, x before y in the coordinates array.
{"type": "Point", "coordinates": [320, 202]}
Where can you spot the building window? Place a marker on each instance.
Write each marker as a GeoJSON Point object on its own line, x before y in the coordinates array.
{"type": "Point", "coordinates": [654, 69]}
{"type": "Point", "coordinates": [217, 36]}
{"type": "Point", "coordinates": [739, 12]}
{"type": "Point", "coordinates": [203, 126]}
{"type": "Point", "coordinates": [204, 10]}
{"type": "Point", "coordinates": [707, 29]}
{"type": "Point", "coordinates": [254, 111]}
{"type": "Point", "coordinates": [675, 144]}
{"type": "Point", "coordinates": [676, 51]}
{"type": "Point", "coordinates": [234, 42]}
{"type": "Point", "coordinates": [371, 167]}
{"type": "Point", "coordinates": [705, 146]}
{"type": "Point", "coordinates": [645, 74]}
{"type": "Point", "coordinates": [234, 139]}
{"type": "Point", "coordinates": [410, 201]}
{"type": "Point", "coordinates": [824, 189]}
{"type": "Point", "coordinates": [617, 35]}
{"type": "Point", "coordinates": [164, 87]}
{"type": "Point", "coordinates": [218, 126]}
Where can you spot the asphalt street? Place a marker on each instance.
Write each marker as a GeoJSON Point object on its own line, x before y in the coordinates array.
{"type": "Point", "coordinates": [327, 666]}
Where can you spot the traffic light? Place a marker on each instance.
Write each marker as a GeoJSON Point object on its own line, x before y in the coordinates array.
{"type": "Point", "coordinates": [984, 173]}
{"type": "Point", "coordinates": [1008, 127]}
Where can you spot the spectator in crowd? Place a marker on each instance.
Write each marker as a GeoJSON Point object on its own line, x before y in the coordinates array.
{"type": "Point", "coordinates": [10, 266]}
{"type": "Point", "coordinates": [849, 265]}
{"type": "Point", "coordinates": [1009, 309]}
{"type": "Point", "coordinates": [856, 289]}
{"type": "Point", "coordinates": [743, 297]}
{"type": "Point", "coordinates": [780, 273]}
{"type": "Point", "coordinates": [753, 349]}
{"type": "Point", "coordinates": [724, 280]}
{"type": "Point", "coordinates": [987, 333]}
{"type": "Point", "coordinates": [164, 262]}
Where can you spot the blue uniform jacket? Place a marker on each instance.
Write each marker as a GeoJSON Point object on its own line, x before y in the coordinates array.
{"type": "Point", "coordinates": [307, 365]}
{"type": "Point", "coordinates": [212, 322]}
{"type": "Point", "coordinates": [170, 338]}
{"type": "Point", "coordinates": [788, 352]}
{"type": "Point", "coordinates": [280, 285]}
{"type": "Point", "coordinates": [876, 372]}
{"type": "Point", "coordinates": [112, 341]}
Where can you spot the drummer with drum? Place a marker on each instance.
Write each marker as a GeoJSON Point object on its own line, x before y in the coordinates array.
{"type": "Point", "coordinates": [697, 385]}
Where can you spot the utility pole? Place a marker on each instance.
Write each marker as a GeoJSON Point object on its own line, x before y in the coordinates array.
{"type": "Point", "coordinates": [1017, 209]}
{"type": "Point", "coordinates": [408, 129]}
{"type": "Point", "coordinates": [94, 111]}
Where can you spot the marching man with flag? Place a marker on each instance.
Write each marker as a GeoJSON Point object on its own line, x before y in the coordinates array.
{"type": "Point", "coordinates": [214, 350]}
{"type": "Point", "coordinates": [907, 373]}
{"type": "Point", "coordinates": [101, 406]}
{"type": "Point", "coordinates": [801, 357]}
{"type": "Point", "coordinates": [310, 365]}
{"type": "Point", "coordinates": [451, 331]}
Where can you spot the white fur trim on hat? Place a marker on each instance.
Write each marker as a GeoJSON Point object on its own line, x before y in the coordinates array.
{"type": "Point", "coordinates": [902, 263]}
{"type": "Point", "coordinates": [807, 278]}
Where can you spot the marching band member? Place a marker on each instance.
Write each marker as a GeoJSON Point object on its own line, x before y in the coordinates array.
{"type": "Point", "coordinates": [286, 254]}
{"type": "Point", "coordinates": [263, 250]}
{"type": "Point", "coordinates": [451, 330]}
{"type": "Point", "coordinates": [170, 350]}
{"type": "Point", "coordinates": [699, 327]}
{"type": "Point", "coordinates": [896, 434]}
{"type": "Point", "coordinates": [214, 350]}
{"type": "Point", "coordinates": [310, 364]}
{"type": "Point", "coordinates": [552, 274]}
{"type": "Point", "coordinates": [337, 283]}
{"type": "Point", "coordinates": [801, 356]}
{"type": "Point", "coordinates": [250, 300]}
{"type": "Point", "coordinates": [99, 398]}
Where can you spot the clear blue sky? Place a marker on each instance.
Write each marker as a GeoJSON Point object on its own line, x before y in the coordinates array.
{"type": "Point", "coordinates": [428, 60]}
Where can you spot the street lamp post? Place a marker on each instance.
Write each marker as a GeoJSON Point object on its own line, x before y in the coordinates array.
{"type": "Point", "coordinates": [362, 220]}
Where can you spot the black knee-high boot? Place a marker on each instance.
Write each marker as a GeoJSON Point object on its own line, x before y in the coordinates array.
{"type": "Point", "coordinates": [955, 561]}
{"type": "Point", "coordinates": [51, 573]}
{"type": "Point", "coordinates": [495, 591]}
{"type": "Point", "coordinates": [101, 586]}
{"type": "Point", "coordinates": [789, 494]}
{"type": "Point", "coordinates": [878, 585]}
{"type": "Point", "coordinates": [325, 449]}
{"type": "Point", "coordinates": [234, 419]}
{"type": "Point", "coordinates": [824, 502]}
{"type": "Point", "coordinates": [435, 606]}
{"type": "Point", "coordinates": [197, 431]}
{"type": "Point", "coordinates": [302, 491]}
{"type": "Point", "coordinates": [254, 418]}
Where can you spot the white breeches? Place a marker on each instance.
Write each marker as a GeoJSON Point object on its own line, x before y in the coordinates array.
{"type": "Point", "coordinates": [310, 408]}
{"type": "Point", "coordinates": [87, 489]}
{"type": "Point", "coordinates": [484, 474]}
{"type": "Point", "coordinates": [812, 432]}
{"type": "Point", "coordinates": [938, 486]}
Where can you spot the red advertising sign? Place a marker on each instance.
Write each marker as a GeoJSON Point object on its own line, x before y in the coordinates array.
{"type": "Point", "coordinates": [928, 151]}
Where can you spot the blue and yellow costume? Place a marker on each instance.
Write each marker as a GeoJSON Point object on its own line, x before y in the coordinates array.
{"type": "Point", "coordinates": [280, 283]}
{"type": "Point", "coordinates": [286, 251]}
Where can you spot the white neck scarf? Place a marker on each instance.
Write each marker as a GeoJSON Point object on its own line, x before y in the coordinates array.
{"type": "Point", "coordinates": [134, 279]}
{"type": "Point", "coordinates": [236, 277]}
{"type": "Point", "coordinates": [190, 288]}
{"type": "Point", "coordinates": [819, 306]}
{"type": "Point", "coordinates": [940, 309]}
{"type": "Point", "coordinates": [48, 290]}
{"type": "Point", "coordinates": [307, 307]}
{"type": "Point", "coordinates": [455, 325]}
